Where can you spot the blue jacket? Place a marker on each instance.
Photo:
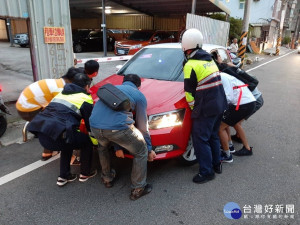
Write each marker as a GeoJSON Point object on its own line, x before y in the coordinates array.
{"type": "Point", "coordinates": [105, 118]}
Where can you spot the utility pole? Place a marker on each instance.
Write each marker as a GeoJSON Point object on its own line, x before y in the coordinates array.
{"type": "Point", "coordinates": [193, 7]}
{"type": "Point", "coordinates": [243, 38]}
{"type": "Point", "coordinates": [283, 10]}
{"type": "Point", "coordinates": [103, 26]}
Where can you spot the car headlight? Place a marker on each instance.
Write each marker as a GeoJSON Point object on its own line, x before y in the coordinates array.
{"type": "Point", "coordinates": [167, 119]}
{"type": "Point", "coordinates": [136, 46]}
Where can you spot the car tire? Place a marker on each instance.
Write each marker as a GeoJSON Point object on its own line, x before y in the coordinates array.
{"type": "Point", "coordinates": [23, 46]}
{"type": "Point", "coordinates": [77, 48]}
{"type": "Point", "coordinates": [188, 158]}
{"type": "Point", "coordinates": [110, 47]}
{"type": "Point", "coordinates": [3, 125]}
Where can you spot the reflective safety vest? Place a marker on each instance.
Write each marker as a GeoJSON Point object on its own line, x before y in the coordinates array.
{"type": "Point", "coordinates": [74, 102]}
{"type": "Point", "coordinates": [207, 74]}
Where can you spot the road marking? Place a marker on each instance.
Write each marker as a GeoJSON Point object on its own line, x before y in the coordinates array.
{"type": "Point", "coordinates": [270, 61]}
{"type": "Point", "coordinates": [27, 169]}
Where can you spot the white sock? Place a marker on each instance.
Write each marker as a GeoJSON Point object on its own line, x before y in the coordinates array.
{"type": "Point", "coordinates": [227, 152]}
{"type": "Point", "coordinates": [230, 143]}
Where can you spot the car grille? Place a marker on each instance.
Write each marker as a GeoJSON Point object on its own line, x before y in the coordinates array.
{"type": "Point", "coordinates": [121, 50]}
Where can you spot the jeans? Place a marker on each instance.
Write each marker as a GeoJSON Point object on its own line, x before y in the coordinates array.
{"type": "Point", "coordinates": [206, 142]}
{"type": "Point", "coordinates": [132, 140]}
{"type": "Point", "coordinates": [81, 141]}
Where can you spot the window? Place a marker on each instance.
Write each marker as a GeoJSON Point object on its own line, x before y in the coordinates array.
{"type": "Point", "coordinates": [242, 4]}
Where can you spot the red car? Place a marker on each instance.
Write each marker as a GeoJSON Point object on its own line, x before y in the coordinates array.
{"type": "Point", "coordinates": [160, 67]}
{"type": "Point", "coordinates": [140, 39]}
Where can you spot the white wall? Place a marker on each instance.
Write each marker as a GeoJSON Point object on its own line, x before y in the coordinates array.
{"type": "Point", "coordinates": [259, 9]}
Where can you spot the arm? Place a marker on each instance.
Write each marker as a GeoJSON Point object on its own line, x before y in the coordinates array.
{"type": "Point", "coordinates": [142, 120]}
{"type": "Point", "coordinates": [190, 85]}
{"type": "Point", "coordinates": [86, 111]}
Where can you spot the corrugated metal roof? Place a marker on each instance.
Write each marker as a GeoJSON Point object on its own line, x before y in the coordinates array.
{"type": "Point", "coordinates": [90, 8]}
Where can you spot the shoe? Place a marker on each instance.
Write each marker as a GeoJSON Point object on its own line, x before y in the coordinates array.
{"type": "Point", "coordinates": [139, 192]}
{"type": "Point", "coordinates": [109, 184]}
{"type": "Point", "coordinates": [46, 156]}
{"type": "Point", "coordinates": [225, 158]}
{"type": "Point", "coordinates": [231, 149]}
{"type": "Point", "coordinates": [83, 178]}
{"type": "Point", "coordinates": [218, 168]}
{"type": "Point", "coordinates": [236, 138]}
{"type": "Point", "coordinates": [200, 179]}
{"type": "Point", "coordinates": [63, 181]}
{"type": "Point", "coordinates": [244, 152]}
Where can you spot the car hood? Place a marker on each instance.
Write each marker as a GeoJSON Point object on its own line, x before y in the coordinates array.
{"type": "Point", "coordinates": [132, 42]}
{"type": "Point", "coordinates": [162, 96]}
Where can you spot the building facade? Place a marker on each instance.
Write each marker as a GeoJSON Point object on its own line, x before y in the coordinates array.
{"type": "Point", "coordinates": [265, 16]}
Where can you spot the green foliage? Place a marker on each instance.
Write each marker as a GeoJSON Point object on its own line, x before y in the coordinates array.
{"type": "Point", "coordinates": [286, 40]}
{"type": "Point", "coordinates": [236, 25]}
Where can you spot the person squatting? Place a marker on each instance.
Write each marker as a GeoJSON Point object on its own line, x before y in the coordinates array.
{"type": "Point", "coordinates": [217, 98]}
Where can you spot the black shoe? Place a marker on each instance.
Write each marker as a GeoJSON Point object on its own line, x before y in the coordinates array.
{"type": "Point", "coordinates": [139, 192]}
{"type": "Point", "coordinates": [218, 168]}
{"type": "Point", "coordinates": [109, 184]}
{"type": "Point", "coordinates": [63, 181]}
{"type": "Point", "coordinates": [200, 179]}
{"type": "Point", "coordinates": [244, 152]}
{"type": "Point", "coordinates": [236, 139]}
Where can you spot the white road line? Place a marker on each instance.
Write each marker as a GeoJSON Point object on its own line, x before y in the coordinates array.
{"type": "Point", "coordinates": [271, 61]}
{"type": "Point", "coordinates": [27, 169]}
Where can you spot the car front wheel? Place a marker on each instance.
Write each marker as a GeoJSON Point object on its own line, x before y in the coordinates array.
{"type": "Point", "coordinates": [77, 48]}
{"type": "Point", "coordinates": [188, 158]}
{"type": "Point", "coordinates": [3, 125]}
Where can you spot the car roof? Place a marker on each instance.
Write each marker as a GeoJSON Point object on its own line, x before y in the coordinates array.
{"type": "Point", "coordinates": [206, 47]}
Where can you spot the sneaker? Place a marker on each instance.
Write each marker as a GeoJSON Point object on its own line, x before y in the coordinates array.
{"type": "Point", "coordinates": [218, 168]}
{"type": "Point", "coordinates": [83, 178]}
{"type": "Point", "coordinates": [63, 181]}
{"type": "Point", "coordinates": [200, 179]}
{"type": "Point", "coordinates": [236, 139]}
{"type": "Point", "coordinates": [139, 192]}
{"type": "Point", "coordinates": [225, 158]}
{"type": "Point", "coordinates": [244, 152]}
{"type": "Point", "coordinates": [231, 149]}
{"type": "Point", "coordinates": [109, 184]}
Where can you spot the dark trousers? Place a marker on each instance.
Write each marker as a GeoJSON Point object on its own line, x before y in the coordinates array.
{"type": "Point", "coordinates": [206, 142]}
{"type": "Point", "coordinates": [81, 141]}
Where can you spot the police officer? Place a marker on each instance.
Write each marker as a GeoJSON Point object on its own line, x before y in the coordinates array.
{"type": "Point", "coordinates": [57, 127]}
{"type": "Point", "coordinates": [205, 95]}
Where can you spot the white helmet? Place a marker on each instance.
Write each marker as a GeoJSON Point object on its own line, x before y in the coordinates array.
{"type": "Point", "coordinates": [191, 39]}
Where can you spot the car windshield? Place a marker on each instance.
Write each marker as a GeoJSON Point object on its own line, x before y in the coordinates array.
{"type": "Point", "coordinates": [140, 36]}
{"type": "Point", "coordinates": [156, 63]}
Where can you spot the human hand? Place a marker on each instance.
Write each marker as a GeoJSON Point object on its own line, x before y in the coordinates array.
{"type": "Point", "coordinates": [151, 156]}
{"type": "Point", "coordinates": [120, 153]}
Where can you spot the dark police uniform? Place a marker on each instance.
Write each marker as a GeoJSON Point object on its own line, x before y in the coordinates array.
{"type": "Point", "coordinates": [206, 97]}
{"type": "Point", "coordinates": [57, 127]}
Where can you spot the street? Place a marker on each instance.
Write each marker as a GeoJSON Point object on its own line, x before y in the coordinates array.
{"type": "Point", "coordinates": [269, 177]}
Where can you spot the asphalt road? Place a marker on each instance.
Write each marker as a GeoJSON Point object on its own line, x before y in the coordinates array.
{"type": "Point", "coordinates": [269, 177]}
